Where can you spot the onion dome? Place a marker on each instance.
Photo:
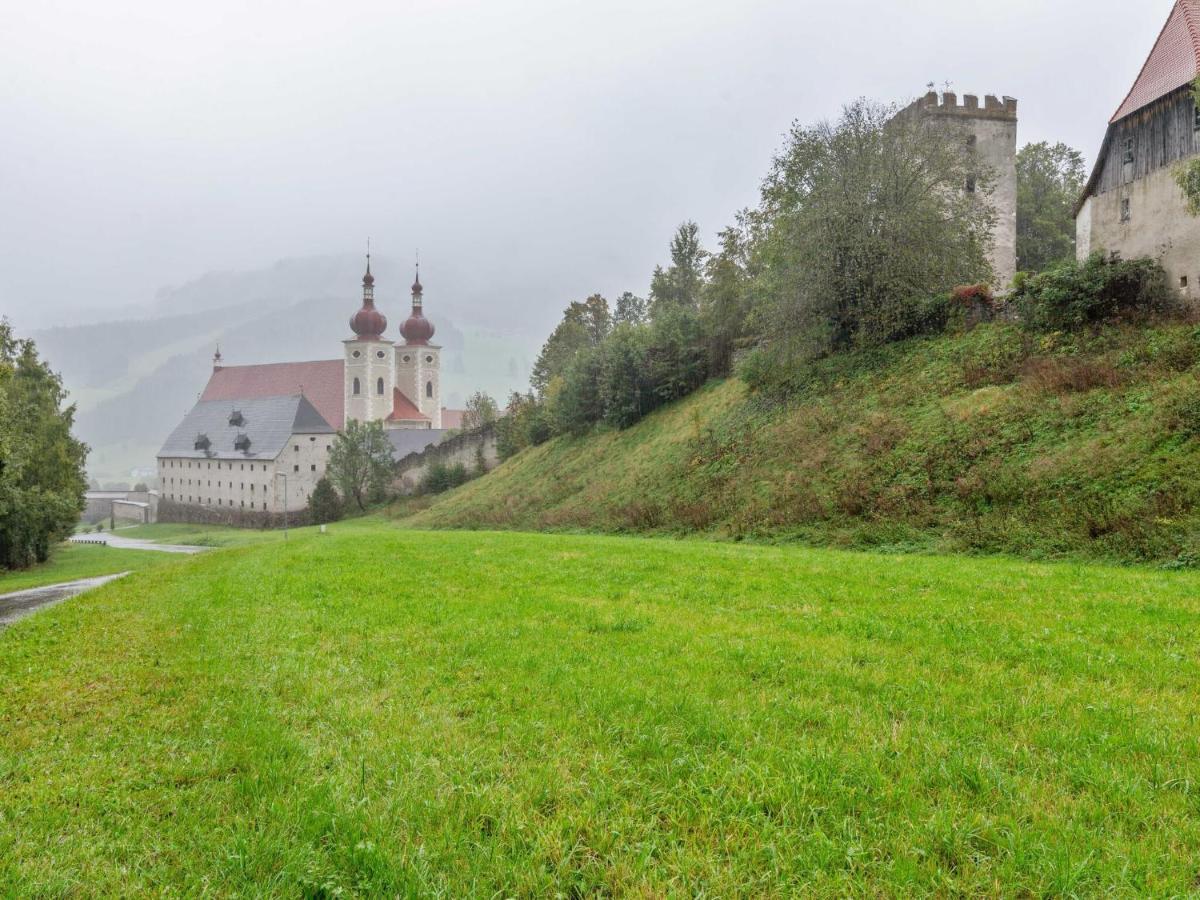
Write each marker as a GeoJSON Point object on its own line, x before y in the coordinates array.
{"type": "Point", "coordinates": [417, 329]}
{"type": "Point", "coordinates": [368, 323]}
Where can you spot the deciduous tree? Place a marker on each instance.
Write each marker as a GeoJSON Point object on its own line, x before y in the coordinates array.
{"type": "Point", "coordinates": [360, 462]}
{"type": "Point", "coordinates": [1050, 178]}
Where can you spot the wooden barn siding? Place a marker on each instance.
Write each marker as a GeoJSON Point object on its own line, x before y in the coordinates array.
{"type": "Point", "coordinates": [1163, 133]}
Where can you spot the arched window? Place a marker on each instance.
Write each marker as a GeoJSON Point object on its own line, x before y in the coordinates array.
{"type": "Point", "coordinates": [429, 389]}
{"type": "Point", "coordinates": [379, 387]}
{"type": "Point", "coordinates": [357, 387]}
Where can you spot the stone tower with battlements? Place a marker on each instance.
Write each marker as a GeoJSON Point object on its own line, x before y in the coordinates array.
{"type": "Point", "coordinates": [991, 129]}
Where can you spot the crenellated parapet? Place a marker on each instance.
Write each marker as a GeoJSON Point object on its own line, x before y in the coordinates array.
{"type": "Point", "coordinates": [947, 104]}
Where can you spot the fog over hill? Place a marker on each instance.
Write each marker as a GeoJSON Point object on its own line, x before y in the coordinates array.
{"type": "Point", "coordinates": [133, 379]}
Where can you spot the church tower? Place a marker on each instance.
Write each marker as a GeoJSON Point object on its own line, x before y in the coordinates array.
{"type": "Point", "coordinates": [418, 361]}
{"type": "Point", "coordinates": [369, 375]}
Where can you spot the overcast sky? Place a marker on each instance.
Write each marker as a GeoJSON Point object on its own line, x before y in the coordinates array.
{"type": "Point", "coordinates": [545, 148]}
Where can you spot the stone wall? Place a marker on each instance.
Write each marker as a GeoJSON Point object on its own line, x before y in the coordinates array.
{"type": "Point", "coordinates": [190, 514]}
{"type": "Point", "coordinates": [1155, 223]}
{"type": "Point", "coordinates": [469, 448]}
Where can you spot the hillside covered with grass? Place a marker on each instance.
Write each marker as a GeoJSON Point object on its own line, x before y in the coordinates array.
{"type": "Point", "coordinates": [996, 440]}
{"type": "Point", "coordinates": [384, 712]}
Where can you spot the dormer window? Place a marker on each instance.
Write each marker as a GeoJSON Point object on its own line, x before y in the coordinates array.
{"type": "Point", "coordinates": [202, 442]}
{"type": "Point", "coordinates": [236, 419]}
{"type": "Point", "coordinates": [242, 443]}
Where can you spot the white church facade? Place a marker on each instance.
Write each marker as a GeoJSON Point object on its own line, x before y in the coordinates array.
{"type": "Point", "coordinates": [258, 439]}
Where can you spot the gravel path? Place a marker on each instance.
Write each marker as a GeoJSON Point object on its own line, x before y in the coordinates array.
{"type": "Point", "coordinates": [19, 604]}
{"type": "Point", "coordinates": [124, 543]}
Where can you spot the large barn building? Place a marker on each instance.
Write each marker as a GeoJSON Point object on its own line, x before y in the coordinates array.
{"type": "Point", "coordinates": [1132, 205]}
{"type": "Point", "coordinates": [258, 439]}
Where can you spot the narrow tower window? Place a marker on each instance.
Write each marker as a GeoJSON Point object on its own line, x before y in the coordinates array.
{"type": "Point", "coordinates": [379, 387]}
{"type": "Point", "coordinates": [429, 389]}
{"type": "Point", "coordinates": [357, 387]}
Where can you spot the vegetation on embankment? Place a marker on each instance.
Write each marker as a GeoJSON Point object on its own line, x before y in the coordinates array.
{"type": "Point", "coordinates": [540, 715]}
{"type": "Point", "coordinates": [997, 440]}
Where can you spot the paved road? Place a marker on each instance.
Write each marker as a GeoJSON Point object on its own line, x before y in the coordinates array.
{"type": "Point", "coordinates": [21, 603]}
{"type": "Point", "coordinates": [124, 543]}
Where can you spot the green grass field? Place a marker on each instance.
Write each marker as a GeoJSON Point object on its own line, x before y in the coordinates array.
{"type": "Point", "coordinates": [389, 712]}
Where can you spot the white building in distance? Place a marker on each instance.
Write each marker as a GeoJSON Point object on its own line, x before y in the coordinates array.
{"type": "Point", "coordinates": [258, 428]}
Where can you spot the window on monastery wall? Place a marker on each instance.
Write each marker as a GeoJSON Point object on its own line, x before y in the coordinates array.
{"type": "Point", "coordinates": [379, 387]}
{"type": "Point", "coordinates": [971, 184]}
{"type": "Point", "coordinates": [314, 467]}
{"type": "Point", "coordinates": [1127, 157]}
{"type": "Point", "coordinates": [357, 388]}
{"type": "Point", "coordinates": [429, 389]}
{"type": "Point", "coordinates": [1126, 213]}
{"type": "Point", "coordinates": [296, 468]}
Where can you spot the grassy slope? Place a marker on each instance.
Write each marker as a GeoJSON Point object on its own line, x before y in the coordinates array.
{"type": "Point", "coordinates": [986, 441]}
{"type": "Point", "coordinates": [383, 711]}
{"type": "Point", "coordinates": [71, 562]}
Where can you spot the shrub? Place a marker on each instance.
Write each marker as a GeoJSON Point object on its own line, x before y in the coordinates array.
{"type": "Point", "coordinates": [324, 504]}
{"type": "Point", "coordinates": [442, 477]}
{"type": "Point", "coordinates": [1064, 376]}
{"type": "Point", "coordinates": [1077, 295]}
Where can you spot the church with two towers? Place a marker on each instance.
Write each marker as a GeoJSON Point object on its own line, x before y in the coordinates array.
{"type": "Point", "coordinates": [258, 439]}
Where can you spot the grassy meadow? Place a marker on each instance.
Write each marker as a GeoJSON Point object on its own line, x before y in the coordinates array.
{"type": "Point", "coordinates": [381, 711]}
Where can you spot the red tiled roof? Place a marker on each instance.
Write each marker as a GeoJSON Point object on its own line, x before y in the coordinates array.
{"type": "Point", "coordinates": [1174, 61]}
{"type": "Point", "coordinates": [321, 381]}
{"type": "Point", "coordinates": [452, 418]}
{"type": "Point", "coordinates": [403, 409]}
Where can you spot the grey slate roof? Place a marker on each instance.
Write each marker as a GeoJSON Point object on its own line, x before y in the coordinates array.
{"type": "Point", "coordinates": [267, 421]}
{"type": "Point", "coordinates": [414, 440]}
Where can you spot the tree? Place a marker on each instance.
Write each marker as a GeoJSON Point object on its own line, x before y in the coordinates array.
{"type": "Point", "coordinates": [42, 478]}
{"type": "Point", "coordinates": [859, 220]}
{"type": "Point", "coordinates": [1050, 178]}
{"type": "Point", "coordinates": [575, 406]}
{"type": "Point", "coordinates": [324, 504]}
{"type": "Point", "coordinates": [631, 309]}
{"type": "Point", "coordinates": [680, 284]}
{"type": "Point", "coordinates": [360, 462]}
{"type": "Point", "coordinates": [584, 324]}
{"type": "Point", "coordinates": [726, 297]}
{"type": "Point", "coordinates": [523, 425]}
{"type": "Point", "coordinates": [624, 389]}
{"type": "Point", "coordinates": [675, 355]}
{"type": "Point", "coordinates": [141, 487]}
{"type": "Point", "coordinates": [481, 411]}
